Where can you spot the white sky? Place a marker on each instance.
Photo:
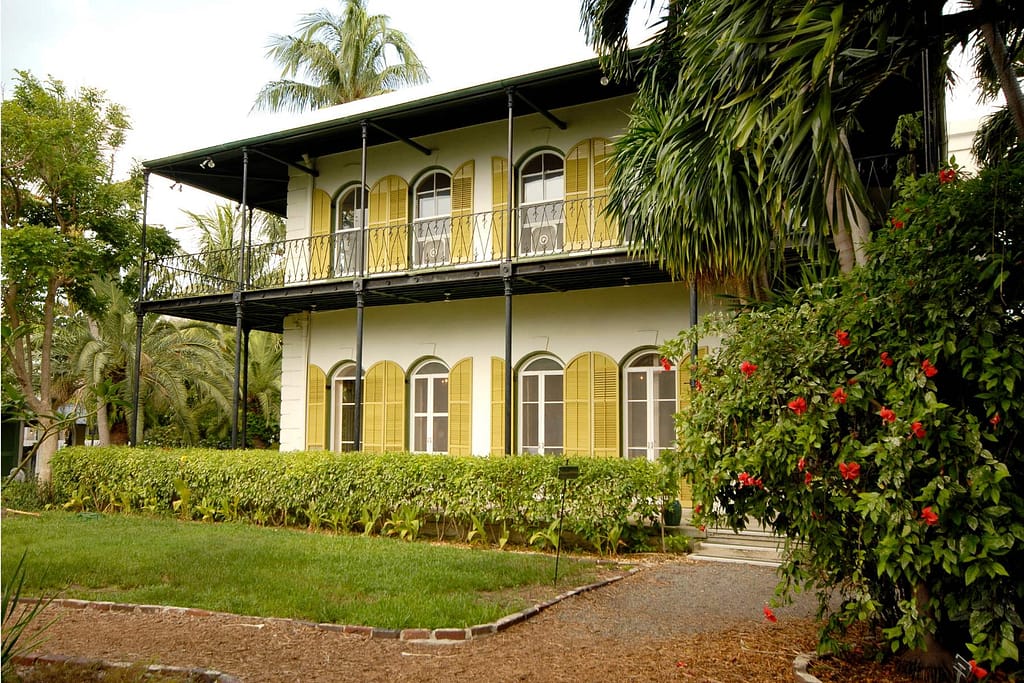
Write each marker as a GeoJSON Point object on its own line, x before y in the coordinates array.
{"type": "Point", "coordinates": [188, 71]}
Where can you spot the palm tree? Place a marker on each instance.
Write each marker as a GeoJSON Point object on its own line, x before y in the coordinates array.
{"type": "Point", "coordinates": [738, 137]}
{"type": "Point", "coordinates": [344, 58]}
{"type": "Point", "coordinates": [181, 363]}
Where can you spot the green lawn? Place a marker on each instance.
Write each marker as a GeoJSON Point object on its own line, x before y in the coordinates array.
{"type": "Point", "coordinates": [258, 571]}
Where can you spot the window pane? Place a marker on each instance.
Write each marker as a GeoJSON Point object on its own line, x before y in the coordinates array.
{"type": "Point", "coordinates": [666, 425]}
{"type": "Point", "coordinates": [636, 414]}
{"type": "Point", "coordinates": [420, 395]}
{"type": "Point", "coordinates": [420, 431]}
{"type": "Point", "coordinates": [648, 360]}
{"type": "Point", "coordinates": [529, 388]}
{"type": "Point", "coordinates": [441, 395]}
{"type": "Point", "coordinates": [552, 388]}
{"type": "Point", "coordinates": [440, 434]}
{"type": "Point", "coordinates": [552, 425]}
{"type": "Point", "coordinates": [432, 368]}
{"type": "Point", "coordinates": [533, 190]}
{"type": "Point", "coordinates": [666, 383]}
{"type": "Point", "coordinates": [530, 424]}
{"type": "Point", "coordinates": [348, 391]}
{"type": "Point", "coordinates": [544, 364]}
{"type": "Point", "coordinates": [636, 386]}
{"type": "Point", "coordinates": [554, 187]}
{"type": "Point", "coordinates": [348, 426]}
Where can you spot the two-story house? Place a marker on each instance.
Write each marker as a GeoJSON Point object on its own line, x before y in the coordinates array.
{"type": "Point", "coordinates": [450, 282]}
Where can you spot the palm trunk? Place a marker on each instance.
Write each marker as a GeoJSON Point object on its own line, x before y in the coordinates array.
{"type": "Point", "coordinates": [103, 423]}
{"type": "Point", "coordinates": [1004, 68]}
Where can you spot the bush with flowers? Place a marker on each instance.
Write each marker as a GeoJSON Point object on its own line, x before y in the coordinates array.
{"type": "Point", "coordinates": [874, 421]}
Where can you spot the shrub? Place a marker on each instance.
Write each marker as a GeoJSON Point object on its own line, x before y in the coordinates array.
{"type": "Point", "coordinates": [875, 418]}
{"type": "Point", "coordinates": [348, 490]}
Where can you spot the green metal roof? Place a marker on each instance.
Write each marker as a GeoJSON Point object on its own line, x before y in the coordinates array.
{"type": "Point", "coordinates": [267, 186]}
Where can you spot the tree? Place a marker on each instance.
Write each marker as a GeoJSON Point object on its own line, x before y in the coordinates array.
{"type": "Point", "coordinates": [874, 422]}
{"type": "Point", "coordinates": [64, 220]}
{"type": "Point", "coordinates": [343, 58]}
{"type": "Point", "coordinates": [182, 365]}
{"type": "Point", "coordinates": [738, 141]}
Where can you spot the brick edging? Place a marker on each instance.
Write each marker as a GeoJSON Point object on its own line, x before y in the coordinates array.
{"type": "Point", "coordinates": [442, 635]}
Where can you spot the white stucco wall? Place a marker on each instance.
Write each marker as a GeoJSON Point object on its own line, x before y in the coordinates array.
{"type": "Point", "coordinates": [615, 321]}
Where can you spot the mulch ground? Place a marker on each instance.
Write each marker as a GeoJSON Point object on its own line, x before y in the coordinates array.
{"type": "Point", "coordinates": [673, 621]}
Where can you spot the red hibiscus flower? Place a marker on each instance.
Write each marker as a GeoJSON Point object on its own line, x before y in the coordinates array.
{"type": "Point", "coordinates": [947, 175]}
{"type": "Point", "coordinates": [929, 369]}
{"type": "Point", "coordinates": [849, 471]}
{"type": "Point", "coordinates": [977, 671]}
{"type": "Point", "coordinates": [801, 464]}
{"type": "Point", "coordinates": [666, 364]}
{"type": "Point", "coordinates": [843, 337]}
{"type": "Point", "coordinates": [918, 430]}
{"type": "Point", "coordinates": [887, 415]}
{"type": "Point", "coordinates": [748, 368]}
{"type": "Point", "coordinates": [769, 615]}
{"type": "Point", "coordinates": [798, 405]}
{"type": "Point", "coordinates": [807, 478]}
{"type": "Point", "coordinates": [897, 223]}
{"type": "Point", "coordinates": [697, 508]}
{"type": "Point", "coordinates": [747, 480]}
{"type": "Point", "coordinates": [886, 360]}
{"type": "Point", "coordinates": [839, 396]}
{"type": "Point", "coordinates": [697, 385]}
{"type": "Point", "coordinates": [995, 420]}
{"type": "Point", "coordinates": [928, 515]}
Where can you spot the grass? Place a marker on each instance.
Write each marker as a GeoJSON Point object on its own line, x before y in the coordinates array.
{"type": "Point", "coordinates": [257, 571]}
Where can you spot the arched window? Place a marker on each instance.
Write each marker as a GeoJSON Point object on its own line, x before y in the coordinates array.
{"type": "Point", "coordinates": [650, 406]}
{"type": "Point", "coordinates": [433, 221]}
{"type": "Point", "coordinates": [343, 385]}
{"type": "Point", "coordinates": [541, 406]}
{"type": "Point", "coordinates": [348, 222]}
{"type": "Point", "coordinates": [541, 204]}
{"type": "Point", "coordinates": [430, 408]}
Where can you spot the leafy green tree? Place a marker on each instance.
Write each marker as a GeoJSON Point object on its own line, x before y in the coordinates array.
{"type": "Point", "coordinates": [343, 58]}
{"type": "Point", "coordinates": [874, 422]}
{"type": "Point", "coordinates": [64, 220]}
{"type": "Point", "coordinates": [738, 140]}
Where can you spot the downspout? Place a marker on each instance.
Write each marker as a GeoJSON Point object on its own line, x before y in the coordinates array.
{"type": "Point", "coordinates": [357, 428]}
{"type": "Point", "coordinates": [506, 273]}
{"type": "Point", "coordinates": [238, 298]}
{"type": "Point", "coordinates": [693, 323]}
{"type": "Point", "coordinates": [139, 318]}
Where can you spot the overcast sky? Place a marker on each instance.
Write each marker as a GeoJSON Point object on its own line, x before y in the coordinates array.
{"type": "Point", "coordinates": [188, 71]}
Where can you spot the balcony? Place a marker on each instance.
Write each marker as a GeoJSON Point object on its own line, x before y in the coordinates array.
{"type": "Point", "coordinates": [557, 246]}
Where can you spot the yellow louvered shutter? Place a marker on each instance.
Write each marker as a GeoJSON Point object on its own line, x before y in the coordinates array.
{"type": "Point", "coordinates": [462, 213]}
{"type": "Point", "coordinates": [316, 409]}
{"type": "Point", "coordinates": [683, 374]}
{"type": "Point", "coordinates": [592, 406]}
{"type": "Point", "coordinates": [320, 236]}
{"type": "Point", "coordinates": [384, 408]}
{"type": "Point", "coordinates": [577, 405]}
{"type": "Point", "coordinates": [497, 406]}
{"type": "Point", "coordinates": [460, 408]}
{"type": "Point", "coordinates": [577, 197]}
{"type": "Point", "coordinates": [499, 206]}
{"type": "Point", "coordinates": [606, 232]}
{"type": "Point", "coordinates": [605, 406]}
{"type": "Point", "coordinates": [388, 227]}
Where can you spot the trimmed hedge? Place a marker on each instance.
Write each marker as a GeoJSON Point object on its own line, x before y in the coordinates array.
{"type": "Point", "coordinates": [606, 507]}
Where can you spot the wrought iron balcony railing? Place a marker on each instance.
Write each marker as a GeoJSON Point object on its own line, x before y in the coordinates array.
{"type": "Point", "coordinates": [547, 230]}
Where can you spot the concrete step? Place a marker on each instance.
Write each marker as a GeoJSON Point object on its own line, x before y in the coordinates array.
{"type": "Point", "coordinates": [750, 547]}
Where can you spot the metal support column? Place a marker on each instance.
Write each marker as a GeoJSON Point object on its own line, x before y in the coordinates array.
{"type": "Point", "coordinates": [239, 288]}
{"type": "Point", "coordinates": [245, 386]}
{"type": "Point", "coordinates": [357, 428]}
{"type": "Point", "coordinates": [507, 277]}
{"type": "Point", "coordinates": [139, 319]}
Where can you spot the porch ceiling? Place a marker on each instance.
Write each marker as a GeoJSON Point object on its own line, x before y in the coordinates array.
{"type": "Point", "coordinates": [267, 309]}
{"type": "Point", "coordinates": [268, 176]}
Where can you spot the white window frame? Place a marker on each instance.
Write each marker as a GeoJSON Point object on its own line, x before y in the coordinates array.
{"type": "Point", "coordinates": [432, 235]}
{"type": "Point", "coordinates": [344, 374]}
{"type": "Point", "coordinates": [527, 374]}
{"type": "Point", "coordinates": [650, 373]}
{"type": "Point", "coordinates": [432, 377]}
{"type": "Point", "coordinates": [346, 239]}
{"type": "Point", "coordinates": [545, 214]}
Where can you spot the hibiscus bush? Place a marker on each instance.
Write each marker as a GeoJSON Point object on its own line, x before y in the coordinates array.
{"type": "Point", "coordinates": [873, 420]}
